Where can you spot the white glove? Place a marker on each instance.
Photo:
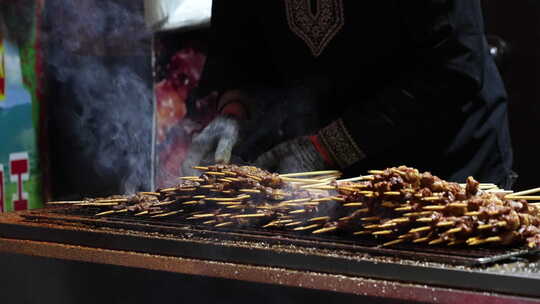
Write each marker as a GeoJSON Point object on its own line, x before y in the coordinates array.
{"type": "Point", "coordinates": [218, 138]}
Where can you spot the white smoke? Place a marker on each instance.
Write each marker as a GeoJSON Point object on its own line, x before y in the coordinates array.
{"type": "Point", "coordinates": [97, 50]}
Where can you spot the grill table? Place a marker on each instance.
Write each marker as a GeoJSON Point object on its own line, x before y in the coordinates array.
{"type": "Point", "coordinates": [331, 264]}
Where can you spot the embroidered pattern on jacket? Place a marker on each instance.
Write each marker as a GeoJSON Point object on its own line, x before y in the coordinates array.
{"type": "Point", "coordinates": [318, 29]}
{"type": "Point", "coordinates": [341, 146]}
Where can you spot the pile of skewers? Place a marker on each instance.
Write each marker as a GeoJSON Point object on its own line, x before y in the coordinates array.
{"type": "Point", "coordinates": [397, 205]}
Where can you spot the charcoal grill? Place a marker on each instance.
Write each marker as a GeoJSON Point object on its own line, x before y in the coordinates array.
{"type": "Point", "coordinates": [462, 268]}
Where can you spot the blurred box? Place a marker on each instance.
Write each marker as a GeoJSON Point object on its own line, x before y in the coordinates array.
{"type": "Point", "coordinates": [20, 115]}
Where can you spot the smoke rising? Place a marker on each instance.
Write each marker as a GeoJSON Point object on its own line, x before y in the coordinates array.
{"type": "Point", "coordinates": [98, 56]}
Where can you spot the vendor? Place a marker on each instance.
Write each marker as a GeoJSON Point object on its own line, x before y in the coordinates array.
{"type": "Point", "coordinates": [353, 85]}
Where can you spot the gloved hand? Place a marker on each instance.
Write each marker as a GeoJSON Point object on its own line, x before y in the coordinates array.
{"type": "Point", "coordinates": [218, 138]}
{"type": "Point", "coordinates": [296, 155]}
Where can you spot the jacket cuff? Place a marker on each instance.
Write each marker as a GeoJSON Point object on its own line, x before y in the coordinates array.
{"type": "Point", "coordinates": [340, 145]}
{"type": "Point", "coordinates": [323, 151]}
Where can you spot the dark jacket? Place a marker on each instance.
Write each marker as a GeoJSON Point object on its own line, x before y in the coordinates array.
{"type": "Point", "coordinates": [384, 83]}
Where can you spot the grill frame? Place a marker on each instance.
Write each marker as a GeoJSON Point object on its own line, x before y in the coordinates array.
{"type": "Point", "coordinates": [462, 256]}
{"type": "Point", "coordinates": [273, 250]}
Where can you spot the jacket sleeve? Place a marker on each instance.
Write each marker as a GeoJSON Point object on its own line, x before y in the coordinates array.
{"type": "Point", "coordinates": [447, 47]}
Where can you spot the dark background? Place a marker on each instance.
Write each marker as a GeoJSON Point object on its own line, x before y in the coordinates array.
{"type": "Point", "coordinates": [518, 23]}
{"type": "Point", "coordinates": [116, 45]}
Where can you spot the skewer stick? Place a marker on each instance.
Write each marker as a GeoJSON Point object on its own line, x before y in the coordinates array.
{"type": "Point", "coordinates": [372, 226]}
{"type": "Point", "coordinates": [473, 213]}
{"type": "Point", "coordinates": [347, 188]}
{"type": "Point", "coordinates": [436, 241]}
{"type": "Point", "coordinates": [392, 193]}
{"type": "Point", "coordinates": [406, 208]}
{"type": "Point", "coordinates": [301, 180]}
{"type": "Point", "coordinates": [111, 200]}
{"type": "Point", "coordinates": [236, 207]}
{"type": "Point", "coordinates": [383, 232]}
{"type": "Point", "coordinates": [224, 224]}
{"type": "Point", "coordinates": [310, 173]}
{"type": "Point", "coordinates": [166, 214]}
{"type": "Point", "coordinates": [149, 193]}
{"type": "Point", "coordinates": [306, 227]}
{"type": "Point", "coordinates": [203, 215]}
{"type": "Point", "coordinates": [422, 213]}
{"type": "Point", "coordinates": [434, 208]}
{"type": "Point", "coordinates": [425, 219]}
{"type": "Point", "coordinates": [196, 178]}
{"type": "Point", "coordinates": [200, 168]}
{"type": "Point", "coordinates": [388, 225]}
{"type": "Point", "coordinates": [323, 230]}
{"type": "Point", "coordinates": [370, 218]}
{"type": "Point", "coordinates": [485, 226]}
{"type": "Point", "coordinates": [525, 192]}
{"type": "Point", "coordinates": [319, 186]}
{"type": "Point", "coordinates": [227, 199]}
{"type": "Point", "coordinates": [361, 232]}
{"type": "Point", "coordinates": [254, 177]}
{"type": "Point", "coordinates": [420, 229]}
{"type": "Point", "coordinates": [164, 203]}
{"type": "Point", "coordinates": [298, 211]}
{"type": "Point", "coordinates": [106, 212]}
{"type": "Point", "coordinates": [141, 213]}
{"type": "Point", "coordinates": [324, 199]}
{"type": "Point", "coordinates": [210, 222]}
{"type": "Point", "coordinates": [472, 240]}
{"type": "Point", "coordinates": [353, 204]}
{"type": "Point", "coordinates": [421, 240]}
{"type": "Point", "coordinates": [298, 200]}
{"type": "Point", "coordinates": [66, 202]}
{"type": "Point", "coordinates": [275, 223]}
{"type": "Point", "coordinates": [169, 189]}
{"type": "Point", "coordinates": [446, 224]}
{"type": "Point", "coordinates": [250, 190]}
{"type": "Point", "coordinates": [376, 171]}
{"type": "Point", "coordinates": [215, 173]}
{"type": "Point", "coordinates": [459, 205]}
{"type": "Point", "coordinates": [431, 198]}
{"type": "Point", "coordinates": [293, 223]}
{"type": "Point", "coordinates": [97, 204]}
{"type": "Point", "coordinates": [358, 178]}
{"type": "Point", "coordinates": [499, 191]}
{"type": "Point", "coordinates": [190, 203]}
{"type": "Point", "coordinates": [394, 242]}
{"type": "Point", "coordinates": [229, 203]}
{"type": "Point", "coordinates": [250, 215]}
{"type": "Point", "coordinates": [454, 230]}
{"type": "Point", "coordinates": [523, 197]}
{"type": "Point", "coordinates": [320, 218]}
{"type": "Point", "coordinates": [401, 220]}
